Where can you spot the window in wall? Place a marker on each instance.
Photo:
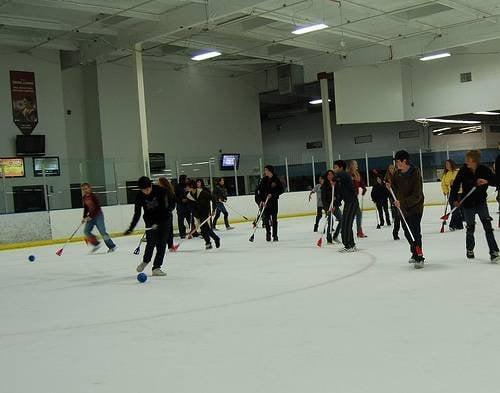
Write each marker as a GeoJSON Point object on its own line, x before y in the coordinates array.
{"type": "Point", "coordinates": [363, 139]}
{"type": "Point", "coordinates": [409, 134]}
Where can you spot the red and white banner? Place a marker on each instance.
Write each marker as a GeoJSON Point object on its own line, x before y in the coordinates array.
{"type": "Point", "coordinates": [24, 105]}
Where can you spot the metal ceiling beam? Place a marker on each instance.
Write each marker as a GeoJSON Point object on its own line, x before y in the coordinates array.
{"type": "Point", "coordinates": [189, 16]}
{"type": "Point", "coordinates": [25, 42]}
{"type": "Point", "coordinates": [43, 24]}
{"type": "Point", "coordinates": [465, 9]}
{"type": "Point", "coordinates": [88, 8]}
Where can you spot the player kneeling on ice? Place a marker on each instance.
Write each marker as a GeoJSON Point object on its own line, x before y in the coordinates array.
{"type": "Point", "coordinates": [474, 179]}
{"type": "Point", "coordinates": [201, 199]}
{"type": "Point", "coordinates": [94, 217]}
{"type": "Point", "coordinates": [409, 200]}
{"type": "Point", "coordinates": [154, 201]}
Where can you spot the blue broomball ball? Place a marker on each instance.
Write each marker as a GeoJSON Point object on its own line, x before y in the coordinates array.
{"type": "Point", "coordinates": [31, 258]}
{"type": "Point", "coordinates": [142, 277]}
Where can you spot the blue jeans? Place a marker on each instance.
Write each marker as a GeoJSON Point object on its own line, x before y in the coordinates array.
{"type": "Point", "coordinates": [101, 227]}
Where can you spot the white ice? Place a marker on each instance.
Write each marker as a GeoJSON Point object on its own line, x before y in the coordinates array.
{"type": "Point", "coordinates": [285, 317]}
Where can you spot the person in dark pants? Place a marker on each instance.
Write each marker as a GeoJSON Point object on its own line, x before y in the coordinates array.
{"type": "Point", "coordinates": [183, 211]}
{"type": "Point", "coordinates": [407, 187]}
{"type": "Point", "coordinates": [220, 196]}
{"type": "Point", "coordinates": [270, 188]}
{"type": "Point", "coordinates": [202, 199]}
{"type": "Point", "coordinates": [389, 176]}
{"type": "Point", "coordinates": [171, 202]}
{"type": "Point", "coordinates": [380, 197]}
{"type": "Point", "coordinates": [332, 208]}
{"type": "Point", "coordinates": [497, 179]}
{"type": "Point", "coordinates": [94, 217]}
{"type": "Point", "coordinates": [349, 195]}
{"type": "Point", "coordinates": [153, 200]}
{"type": "Point", "coordinates": [449, 175]}
{"type": "Point", "coordinates": [319, 203]}
{"type": "Point", "coordinates": [473, 174]}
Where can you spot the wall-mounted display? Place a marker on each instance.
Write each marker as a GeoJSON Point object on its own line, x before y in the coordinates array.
{"type": "Point", "coordinates": [12, 167]}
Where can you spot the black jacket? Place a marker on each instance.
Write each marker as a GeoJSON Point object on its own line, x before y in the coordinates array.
{"type": "Point", "coordinates": [409, 191]}
{"type": "Point", "coordinates": [326, 196]}
{"type": "Point", "coordinates": [201, 199]}
{"type": "Point", "coordinates": [155, 206]}
{"type": "Point", "coordinates": [467, 179]}
{"type": "Point", "coordinates": [497, 170]}
{"type": "Point", "coordinates": [379, 194]}
{"type": "Point", "coordinates": [220, 193]}
{"type": "Point", "coordinates": [180, 193]}
{"type": "Point", "coordinates": [345, 184]}
{"type": "Point", "coordinates": [269, 186]}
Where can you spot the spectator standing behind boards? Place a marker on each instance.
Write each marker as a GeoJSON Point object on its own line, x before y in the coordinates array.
{"type": "Point", "coordinates": [449, 175]}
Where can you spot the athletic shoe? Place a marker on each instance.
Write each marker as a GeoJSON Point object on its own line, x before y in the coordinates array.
{"type": "Point", "coordinates": [215, 229]}
{"type": "Point", "coordinates": [347, 250]}
{"type": "Point", "coordinates": [174, 248]}
{"type": "Point", "coordinates": [337, 240]}
{"type": "Point", "coordinates": [208, 246]}
{"type": "Point", "coordinates": [396, 237]}
{"type": "Point", "coordinates": [412, 260]}
{"type": "Point", "coordinates": [112, 249]}
{"type": "Point", "coordinates": [268, 237]}
{"type": "Point", "coordinates": [495, 258]}
{"type": "Point", "coordinates": [158, 272]}
{"type": "Point", "coordinates": [217, 243]}
{"type": "Point", "coordinates": [315, 228]}
{"type": "Point", "coordinates": [361, 235]}
{"type": "Point", "coordinates": [275, 238]}
{"type": "Point", "coordinates": [419, 264]}
{"type": "Point", "coordinates": [452, 229]}
{"type": "Point", "coordinates": [229, 228]}
{"type": "Point", "coordinates": [96, 247]}
{"type": "Point", "coordinates": [470, 254]}
{"type": "Point", "coordinates": [141, 267]}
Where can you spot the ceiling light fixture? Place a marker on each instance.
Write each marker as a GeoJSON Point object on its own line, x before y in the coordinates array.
{"type": "Point", "coordinates": [309, 29]}
{"type": "Point", "coordinates": [475, 128]}
{"type": "Point", "coordinates": [435, 56]}
{"type": "Point", "coordinates": [469, 132]}
{"type": "Point", "coordinates": [317, 102]}
{"type": "Point", "coordinates": [448, 121]}
{"type": "Point", "coordinates": [206, 55]}
{"type": "Point", "coordinates": [442, 129]}
{"type": "Point", "coordinates": [487, 113]}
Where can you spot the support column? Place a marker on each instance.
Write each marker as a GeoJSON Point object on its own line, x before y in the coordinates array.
{"type": "Point", "coordinates": [327, 125]}
{"type": "Point", "coordinates": [143, 120]}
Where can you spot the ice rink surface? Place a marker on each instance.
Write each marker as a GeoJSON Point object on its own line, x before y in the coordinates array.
{"type": "Point", "coordinates": [284, 317]}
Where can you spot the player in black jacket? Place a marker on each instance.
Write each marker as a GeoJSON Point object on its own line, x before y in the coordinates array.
{"type": "Point", "coordinates": [270, 189]}
{"type": "Point", "coordinates": [349, 195]}
{"type": "Point", "coordinates": [154, 201]}
{"type": "Point", "coordinates": [220, 197]}
{"type": "Point", "coordinates": [202, 199]}
{"type": "Point", "coordinates": [380, 197]}
{"type": "Point", "coordinates": [183, 212]}
{"type": "Point", "coordinates": [470, 175]}
{"type": "Point", "coordinates": [326, 197]}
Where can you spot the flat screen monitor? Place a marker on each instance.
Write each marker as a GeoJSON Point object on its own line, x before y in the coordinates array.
{"type": "Point", "coordinates": [52, 167]}
{"type": "Point", "coordinates": [229, 161]}
{"type": "Point", "coordinates": [30, 145]}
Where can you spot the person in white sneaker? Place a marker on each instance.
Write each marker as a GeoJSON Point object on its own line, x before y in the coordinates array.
{"type": "Point", "coordinates": [153, 200]}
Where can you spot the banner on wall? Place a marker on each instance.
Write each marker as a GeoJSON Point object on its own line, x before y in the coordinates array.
{"type": "Point", "coordinates": [24, 105]}
{"type": "Point", "coordinates": [11, 167]}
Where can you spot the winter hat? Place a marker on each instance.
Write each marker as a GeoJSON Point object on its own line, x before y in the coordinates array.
{"type": "Point", "coordinates": [402, 155]}
{"type": "Point", "coordinates": [144, 182]}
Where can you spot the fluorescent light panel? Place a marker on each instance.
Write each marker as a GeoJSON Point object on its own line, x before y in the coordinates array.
{"type": "Point", "coordinates": [442, 129]}
{"type": "Point", "coordinates": [317, 102]}
{"type": "Point", "coordinates": [205, 56]}
{"type": "Point", "coordinates": [449, 121]}
{"type": "Point", "coordinates": [435, 56]}
{"type": "Point", "coordinates": [470, 128]}
{"type": "Point", "coordinates": [309, 29]}
{"type": "Point", "coordinates": [487, 113]}
{"type": "Point", "coordinates": [469, 132]}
